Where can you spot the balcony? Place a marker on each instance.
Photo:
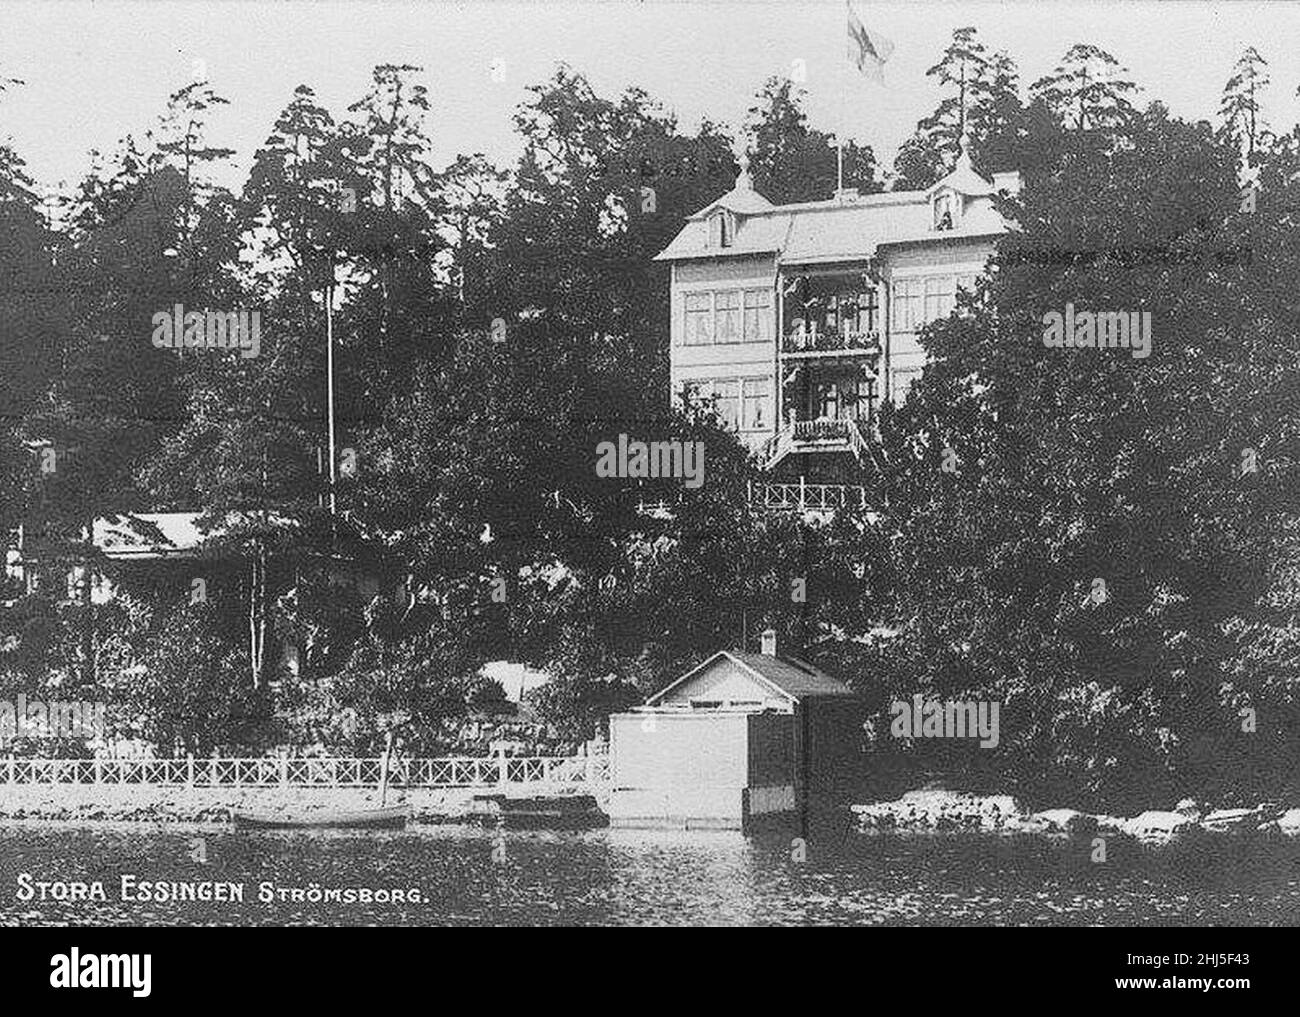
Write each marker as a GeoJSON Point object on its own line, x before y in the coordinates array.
{"type": "Point", "coordinates": [826, 434]}
{"type": "Point", "coordinates": [805, 344]}
{"type": "Point", "coordinates": [822, 499]}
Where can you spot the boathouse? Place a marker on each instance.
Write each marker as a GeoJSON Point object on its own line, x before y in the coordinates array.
{"type": "Point", "coordinates": [740, 740]}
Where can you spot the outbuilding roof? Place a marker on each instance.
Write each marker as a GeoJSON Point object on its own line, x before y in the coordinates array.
{"type": "Point", "coordinates": [790, 677]}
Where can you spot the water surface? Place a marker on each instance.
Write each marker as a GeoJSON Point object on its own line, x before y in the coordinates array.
{"type": "Point", "coordinates": [473, 876]}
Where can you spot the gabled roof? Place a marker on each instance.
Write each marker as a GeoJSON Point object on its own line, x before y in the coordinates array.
{"type": "Point", "coordinates": [149, 534]}
{"type": "Point", "coordinates": [964, 180]}
{"type": "Point", "coordinates": [796, 677]}
{"type": "Point", "coordinates": [740, 199]}
{"type": "Point", "coordinates": [788, 677]}
{"type": "Point", "coordinates": [841, 230]}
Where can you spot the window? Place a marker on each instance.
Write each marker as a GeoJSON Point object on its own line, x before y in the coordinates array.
{"type": "Point", "coordinates": [699, 319]}
{"type": "Point", "coordinates": [757, 404]}
{"type": "Point", "coordinates": [940, 296]}
{"type": "Point", "coordinates": [907, 304]}
{"type": "Point", "coordinates": [828, 400]}
{"type": "Point", "coordinates": [728, 316]}
{"type": "Point", "coordinates": [743, 404]}
{"type": "Point", "coordinates": [966, 282]}
{"type": "Point", "coordinates": [728, 402]}
{"type": "Point", "coordinates": [945, 211]}
{"type": "Point", "coordinates": [758, 315]}
{"type": "Point", "coordinates": [867, 310]}
{"type": "Point", "coordinates": [727, 304]}
{"type": "Point", "coordinates": [722, 228]}
{"type": "Point", "coordinates": [903, 381]}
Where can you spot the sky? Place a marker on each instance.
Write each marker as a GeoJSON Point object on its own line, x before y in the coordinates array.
{"type": "Point", "coordinates": [96, 71]}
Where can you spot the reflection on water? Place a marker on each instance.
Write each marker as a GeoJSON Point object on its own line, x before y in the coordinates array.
{"type": "Point", "coordinates": [471, 876]}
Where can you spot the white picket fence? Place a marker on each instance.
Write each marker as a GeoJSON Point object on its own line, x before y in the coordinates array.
{"type": "Point", "coordinates": [468, 771]}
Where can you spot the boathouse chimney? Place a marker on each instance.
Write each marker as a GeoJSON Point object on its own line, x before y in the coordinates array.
{"type": "Point", "coordinates": [769, 642]}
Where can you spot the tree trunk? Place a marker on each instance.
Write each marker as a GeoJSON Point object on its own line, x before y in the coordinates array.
{"type": "Point", "coordinates": [261, 612]}
{"type": "Point", "coordinates": [257, 615]}
{"type": "Point", "coordinates": [252, 620]}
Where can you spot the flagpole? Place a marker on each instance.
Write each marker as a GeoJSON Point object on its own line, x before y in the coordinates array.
{"type": "Point", "coordinates": [329, 385]}
{"type": "Point", "coordinates": [839, 135]}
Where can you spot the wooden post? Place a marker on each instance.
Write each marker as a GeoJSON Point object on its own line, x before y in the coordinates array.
{"type": "Point", "coordinates": [99, 775]}
{"type": "Point", "coordinates": [503, 769]}
{"type": "Point", "coordinates": [11, 768]}
{"type": "Point", "coordinates": [189, 769]}
{"type": "Point", "coordinates": [383, 768]}
{"type": "Point", "coordinates": [284, 770]}
{"type": "Point", "coordinates": [802, 505]}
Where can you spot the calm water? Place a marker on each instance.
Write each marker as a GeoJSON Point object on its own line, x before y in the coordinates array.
{"type": "Point", "coordinates": [471, 876]}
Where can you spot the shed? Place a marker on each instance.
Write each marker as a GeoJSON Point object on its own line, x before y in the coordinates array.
{"type": "Point", "coordinates": [740, 740]}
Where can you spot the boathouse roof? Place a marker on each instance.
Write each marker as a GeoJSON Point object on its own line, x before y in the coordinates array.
{"type": "Point", "coordinates": [773, 680]}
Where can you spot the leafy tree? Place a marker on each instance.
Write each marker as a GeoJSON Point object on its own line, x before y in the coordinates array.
{"type": "Point", "coordinates": [1088, 92]}
{"type": "Point", "coordinates": [183, 696]}
{"type": "Point", "coordinates": [963, 65]}
{"type": "Point", "coordinates": [996, 117]}
{"type": "Point", "coordinates": [1110, 692]}
{"type": "Point", "coordinates": [1240, 107]}
{"type": "Point", "coordinates": [980, 109]}
{"type": "Point", "coordinates": [919, 163]}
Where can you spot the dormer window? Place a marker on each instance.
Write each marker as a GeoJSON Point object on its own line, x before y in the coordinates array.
{"type": "Point", "coordinates": [945, 210]}
{"type": "Point", "coordinates": [722, 228]}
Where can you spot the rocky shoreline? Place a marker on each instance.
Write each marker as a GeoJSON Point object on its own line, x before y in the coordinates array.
{"type": "Point", "coordinates": [83, 803]}
{"type": "Point", "coordinates": [929, 812]}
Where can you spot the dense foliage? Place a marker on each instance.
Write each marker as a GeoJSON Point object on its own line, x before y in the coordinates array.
{"type": "Point", "coordinates": [1166, 483]}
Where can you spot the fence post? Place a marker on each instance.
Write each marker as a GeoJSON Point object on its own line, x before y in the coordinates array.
{"type": "Point", "coordinates": [284, 770]}
{"type": "Point", "coordinates": [99, 771]}
{"type": "Point", "coordinates": [588, 776]}
{"type": "Point", "coordinates": [189, 769]}
{"type": "Point", "coordinates": [802, 505]}
{"type": "Point", "coordinates": [503, 770]}
{"type": "Point", "coordinates": [11, 768]}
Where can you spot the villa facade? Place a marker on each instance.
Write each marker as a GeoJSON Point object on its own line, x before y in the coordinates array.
{"type": "Point", "coordinates": [801, 319]}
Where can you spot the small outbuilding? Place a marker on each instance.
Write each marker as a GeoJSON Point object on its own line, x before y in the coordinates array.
{"type": "Point", "coordinates": [740, 740]}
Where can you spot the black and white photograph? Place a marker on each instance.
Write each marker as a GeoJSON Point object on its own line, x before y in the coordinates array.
{"type": "Point", "coordinates": [676, 464]}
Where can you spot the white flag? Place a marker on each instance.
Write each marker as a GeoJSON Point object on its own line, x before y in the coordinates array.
{"type": "Point", "coordinates": [867, 49]}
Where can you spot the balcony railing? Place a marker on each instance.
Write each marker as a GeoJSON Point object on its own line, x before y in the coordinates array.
{"type": "Point", "coordinates": [826, 434]}
{"type": "Point", "coordinates": [805, 497]}
{"type": "Point", "coordinates": [831, 342]}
